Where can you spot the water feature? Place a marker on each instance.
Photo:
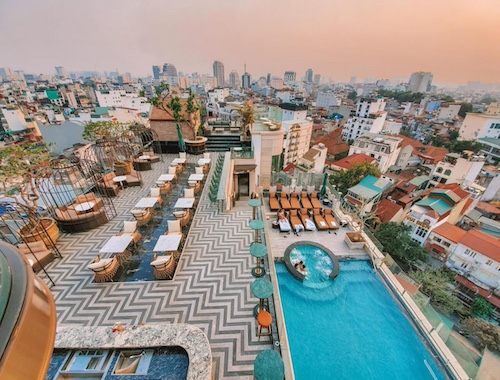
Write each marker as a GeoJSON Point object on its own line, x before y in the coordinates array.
{"type": "Point", "coordinates": [350, 327]}
{"type": "Point", "coordinates": [138, 268]}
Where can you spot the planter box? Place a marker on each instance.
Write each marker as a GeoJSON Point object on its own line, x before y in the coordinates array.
{"type": "Point", "coordinates": [354, 240]}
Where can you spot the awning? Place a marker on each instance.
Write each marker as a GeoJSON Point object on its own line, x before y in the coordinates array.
{"type": "Point", "coordinates": [486, 294]}
{"type": "Point", "coordinates": [437, 248]}
{"type": "Point", "coordinates": [244, 168]}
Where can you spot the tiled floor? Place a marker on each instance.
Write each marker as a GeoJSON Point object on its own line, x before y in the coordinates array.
{"type": "Point", "coordinates": [211, 287]}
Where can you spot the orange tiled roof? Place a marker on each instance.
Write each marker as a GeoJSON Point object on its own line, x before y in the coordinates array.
{"type": "Point", "coordinates": [482, 243]}
{"type": "Point", "coordinates": [349, 161]}
{"type": "Point", "coordinates": [491, 298]}
{"type": "Point", "coordinates": [450, 232]}
{"type": "Point", "coordinates": [386, 210]}
{"type": "Point", "coordinates": [409, 141]}
{"type": "Point", "coordinates": [489, 208]}
{"type": "Point", "coordinates": [333, 142]}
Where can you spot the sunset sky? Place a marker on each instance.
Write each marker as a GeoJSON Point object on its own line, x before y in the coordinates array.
{"type": "Point", "coordinates": [457, 40]}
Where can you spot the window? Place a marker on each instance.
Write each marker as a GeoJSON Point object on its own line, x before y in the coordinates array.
{"type": "Point", "coordinates": [446, 244]}
{"type": "Point", "coordinates": [470, 253]}
{"type": "Point", "coordinates": [489, 262]}
{"type": "Point", "coordinates": [447, 172]}
{"type": "Point", "coordinates": [435, 238]}
{"type": "Point", "coordinates": [421, 232]}
{"type": "Point", "coordinates": [439, 170]}
{"type": "Point", "coordinates": [464, 265]}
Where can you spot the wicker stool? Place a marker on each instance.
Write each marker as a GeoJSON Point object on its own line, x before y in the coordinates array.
{"type": "Point", "coordinates": [265, 320]}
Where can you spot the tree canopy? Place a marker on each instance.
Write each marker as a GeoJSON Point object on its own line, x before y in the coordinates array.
{"type": "Point", "coordinates": [435, 285]}
{"type": "Point", "coordinates": [402, 96]}
{"type": "Point", "coordinates": [352, 95]}
{"type": "Point", "coordinates": [481, 308]}
{"type": "Point", "coordinates": [247, 114]}
{"type": "Point", "coordinates": [96, 130]}
{"type": "Point", "coordinates": [18, 168]}
{"type": "Point", "coordinates": [345, 179]}
{"type": "Point", "coordinates": [464, 108]}
{"type": "Point", "coordinates": [487, 334]}
{"type": "Point", "coordinates": [397, 242]}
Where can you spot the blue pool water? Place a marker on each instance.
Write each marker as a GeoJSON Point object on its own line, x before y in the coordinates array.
{"type": "Point", "coordinates": [350, 328]}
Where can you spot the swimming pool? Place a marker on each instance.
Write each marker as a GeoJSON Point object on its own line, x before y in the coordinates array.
{"type": "Point", "coordinates": [350, 328]}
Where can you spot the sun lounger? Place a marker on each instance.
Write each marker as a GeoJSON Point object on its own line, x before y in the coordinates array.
{"type": "Point", "coordinates": [274, 205]}
{"type": "Point", "coordinates": [330, 219]}
{"type": "Point", "coordinates": [306, 203]}
{"type": "Point", "coordinates": [294, 201]}
{"type": "Point", "coordinates": [285, 203]}
{"type": "Point", "coordinates": [306, 220]}
{"type": "Point", "coordinates": [319, 220]}
{"type": "Point", "coordinates": [315, 201]}
{"type": "Point", "coordinates": [295, 220]}
{"type": "Point", "coordinates": [284, 225]}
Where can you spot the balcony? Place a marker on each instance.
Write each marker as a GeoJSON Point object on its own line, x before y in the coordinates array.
{"type": "Point", "coordinates": [244, 152]}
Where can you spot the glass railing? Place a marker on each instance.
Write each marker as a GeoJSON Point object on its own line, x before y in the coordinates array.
{"type": "Point", "coordinates": [241, 153]}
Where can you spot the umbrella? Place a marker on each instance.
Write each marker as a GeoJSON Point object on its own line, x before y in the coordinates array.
{"type": "Point", "coordinates": [323, 188]}
{"type": "Point", "coordinates": [182, 144]}
{"type": "Point", "coordinates": [269, 365]}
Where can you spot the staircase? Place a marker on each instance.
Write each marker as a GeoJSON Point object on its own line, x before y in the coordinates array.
{"type": "Point", "coordinates": [222, 143]}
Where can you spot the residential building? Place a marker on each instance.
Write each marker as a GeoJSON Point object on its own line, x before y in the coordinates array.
{"type": "Point", "coordinates": [420, 82]}
{"type": "Point", "coordinates": [385, 149]}
{"type": "Point", "coordinates": [290, 76]}
{"type": "Point", "coordinates": [285, 95]}
{"type": "Point", "coordinates": [414, 153]}
{"type": "Point", "coordinates": [309, 76]}
{"type": "Point", "coordinates": [314, 160]}
{"type": "Point", "coordinates": [61, 72]}
{"type": "Point", "coordinates": [348, 162]}
{"type": "Point", "coordinates": [367, 193]}
{"type": "Point", "coordinates": [480, 126]}
{"type": "Point", "coordinates": [156, 72]}
{"type": "Point", "coordinates": [328, 99]}
{"type": "Point", "coordinates": [120, 98]}
{"type": "Point", "coordinates": [218, 67]}
{"type": "Point", "coordinates": [297, 127]}
{"type": "Point", "coordinates": [6, 72]}
{"type": "Point", "coordinates": [493, 109]}
{"type": "Point", "coordinates": [443, 240]}
{"type": "Point", "coordinates": [369, 118]}
{"type": "Point", "coordinates": [169, 70]}
{"type": "Point", "coordinates": [392, 126]}
{"type": "Point", "coordinates": [448, 111]}
{"type": "Point", "coordinates": [246, 80]}
{"type": "Point", "coordinates": [276, 83]}
{"type": "Point", "coordinates": [317, 79]}
{"type": "Point", "coordinates": [15, 121]}
{"type": "Point", "coordinates": [335, 145]}
{"type": "Point", "coordinates": [234, 79]}
{"type": "Point", "coordinates": [456, 168]}
{"type": "Point", "coordinates": [389, 211]}
{"type": "Point", "coordinates": [444, 203]}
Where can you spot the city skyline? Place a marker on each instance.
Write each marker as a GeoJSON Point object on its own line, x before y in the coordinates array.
{"type": "Point", "coordinates": [337, 40]}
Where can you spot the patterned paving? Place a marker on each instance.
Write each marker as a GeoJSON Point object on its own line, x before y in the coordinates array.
{"type": "Point", "coordinates": [211, 288]}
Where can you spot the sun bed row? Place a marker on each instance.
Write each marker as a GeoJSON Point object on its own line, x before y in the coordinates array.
{"type": "Point", "coordinates": [295, 202]}
{"type": "Point", "coordinates": [319, 220]}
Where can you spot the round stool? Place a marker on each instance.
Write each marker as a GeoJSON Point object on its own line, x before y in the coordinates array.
{"type": "Point", "coordinates": [265, 320]}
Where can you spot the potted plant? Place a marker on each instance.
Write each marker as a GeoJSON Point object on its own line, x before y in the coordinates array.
{"type": "Point", "coordinates": [20, 165]}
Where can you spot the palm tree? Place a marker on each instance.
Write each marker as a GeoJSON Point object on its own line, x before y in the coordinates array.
{"type": "Point", "coordinates": [247, 114]}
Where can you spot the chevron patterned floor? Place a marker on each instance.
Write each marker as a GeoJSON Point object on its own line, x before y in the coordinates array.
{"type": "Point", "coordinates": [211, 288]}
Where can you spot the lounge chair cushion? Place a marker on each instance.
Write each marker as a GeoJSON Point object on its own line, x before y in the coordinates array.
{"type": "Point", "coordinates": [155, 192]}
{"type": "Point", "coordinates": [160, 260]}
{"type": "Point", "coordinates": [173, 226]}
{"type": "Point", "coordinates": [99, 265]}
{"type": "Point", "coordinates": [129, 227]}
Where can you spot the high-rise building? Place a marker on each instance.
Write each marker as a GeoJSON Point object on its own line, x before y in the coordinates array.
{"type": "Point", "coordinates": [420, 81]}
{"type": "Point", "coordinates": [289, 76]}
{"type": "Point", "coordinates": [309, 76]}
{"type": "Point", "coordinates": [317, 79]}
{"type": "Point", "coordinates": [219, 73]}
{"type": "Point", "coordinates": [369, 118]}
{"type": "Point", "coordinates": [169, 69]}
{"type": "Point", "coordinates": [246, 80]}
{"type": "Point", "coordinates": [61, 72]}
{"type": "Point", "coordinates": [268, 79]}
{"type": "Point", "coordinates": [6, 72]}
{"type": "Point", "coordinates": [234, 79]}
{"type": "Point", "coordinates": [156, 72]}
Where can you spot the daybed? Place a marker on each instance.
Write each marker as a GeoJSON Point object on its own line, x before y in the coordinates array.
{"type": "Point", "coordinates": [107, 186]}
{"type": "Point", "coordinates": [152, 156]}
{"type": "Point", "coordinates": [142, 165]}
{"type": "Point", "coordinates": [71, 220]}
{"type": "Point", "coordinates": [38, 253]}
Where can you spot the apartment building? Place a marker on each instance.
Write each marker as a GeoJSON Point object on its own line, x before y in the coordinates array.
{"type": "Point", "coordinates": [369, 118]}
{"type": "Point", "coordinates": [457, 168]}
{"type": "Point", "coordinates": [444, 203]}
{"type": "Point", "coordinates": [480, 126]}
{"type": "Point", "coordinates": [385, 149]}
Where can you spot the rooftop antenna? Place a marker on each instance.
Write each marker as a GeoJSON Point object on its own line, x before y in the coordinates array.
{"type": "Point", "coordinates": [245, 67]}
